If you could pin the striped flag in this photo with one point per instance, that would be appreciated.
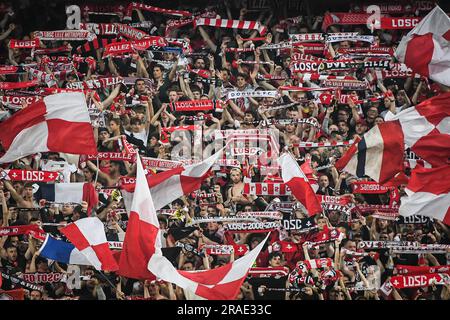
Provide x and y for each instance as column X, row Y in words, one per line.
column 379, row 154
column 428, row 194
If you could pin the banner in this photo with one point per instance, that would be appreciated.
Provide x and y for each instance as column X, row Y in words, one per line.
column 118, row 156
column 305, row 224
column 19, row 100
column 30, row 229
column 370, row 187
column 259, row 272
column 422, row 280
column 195, row 105
column 346, row 84
column 23, row 44
column 43, row 277
column 261, row 215
column 19, row 282
column 65, row 35
column 18, row 85
column 28, row 175
column 253, row 227
column 103, row 29
column 266, row 189
column 95, row 83
column 252, row 94
column 160, row 164
column 414, row 270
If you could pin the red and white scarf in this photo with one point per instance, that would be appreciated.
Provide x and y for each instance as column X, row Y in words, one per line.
column 30, row 229
column 266, row 189
column 414, row 270
column 18, row 85
column 121, row 48
column 370, row 187
column 261, row 214
column 160, row 164
column 42, row 51
column 145, row 7
column 28, row 175
column 175, row 24
column 130, row 32
column 322, row 144
column 23, row 44
column 103, row 29
column 346, row 84
column 9, row 69
column 231, row 24
column 19, row 100
column 68, row 35
column 48, row 79
column 420, row 280
column 194, row 105
column 216, row 249
column 95, row 83
column 252, row 94
column 342, row 18
column 118, row 156
column 253, row 227
column 260, row 272
column 39, row 277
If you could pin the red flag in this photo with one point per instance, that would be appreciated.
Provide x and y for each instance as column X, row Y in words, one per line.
column 297, row 181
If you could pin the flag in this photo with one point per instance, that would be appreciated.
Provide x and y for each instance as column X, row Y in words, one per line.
column 309, row 173
column 142, row 231
column 75, row 192
column 16, row 294
column 426, row 48
column 297, row 181
column 88, row 236
column 426, row 129
column 172, row 184
column 428, row 194
column 58, row 123
column 379, row 154
column 222, row 283
column 62, row 251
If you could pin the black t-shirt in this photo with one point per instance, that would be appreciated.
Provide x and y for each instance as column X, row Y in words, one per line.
column 269, row 283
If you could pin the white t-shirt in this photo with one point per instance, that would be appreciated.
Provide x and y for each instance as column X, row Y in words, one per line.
column 59, row 166
column 142, row 135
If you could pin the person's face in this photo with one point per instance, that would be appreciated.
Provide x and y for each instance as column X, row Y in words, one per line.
column 383, row 223
column 11, row 253
column 103, row 135
column 203, row 210
column 173, row 96
column 157, row 73
column 360, row 128
column 337, row 295
column 343, row 127
column 342, row 115
column 384, row 237
column 355, row 225
column 199, row 64
column 333, row 127
column 87, row 174
column 372, row 113
column 235, row 176
column 379, row 120
column 35, row 295
column 188, row 266
column 344, row 44
column 153, row 141
column 290, row 128
column 67, row 209
column 140, row 87
column 350, row 245
column 323, row 182
column 225, row 75
column 211, row 211
column 197, row 95
column 275, row 261
column 240, row 81
column 76, row 216
column 321, row 223
column 28, row 192
column 14, row 241
column 136, row 126
column 248, row 117
column 113, row 126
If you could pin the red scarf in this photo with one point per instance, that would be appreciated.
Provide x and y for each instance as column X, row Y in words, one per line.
column 343, row 18
column 232, row 24
column 420, row 280
column 96, row 83
column 194, row 105
column 368, row 187
column 65, row 35
column 415, row 270
column 18, row 100
column 28, row 175
column 120, row 48
column 30, row 229
column 145, row 7
column 117, row 156
column 18, row 85
column 23, row 44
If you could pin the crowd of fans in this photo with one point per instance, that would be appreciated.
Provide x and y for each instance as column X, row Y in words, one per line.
column 139, row 109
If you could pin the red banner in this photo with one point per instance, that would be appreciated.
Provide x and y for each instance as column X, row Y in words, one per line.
column 399, row 23
column 416, row 270
column 117, row 156
column 194, row 105
column 8, row 69
column 32, row 229
column 23, row 44
column 28, row 175
column 368, row 187
column 120, row 48
column 18, row 85
column 420, row 280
